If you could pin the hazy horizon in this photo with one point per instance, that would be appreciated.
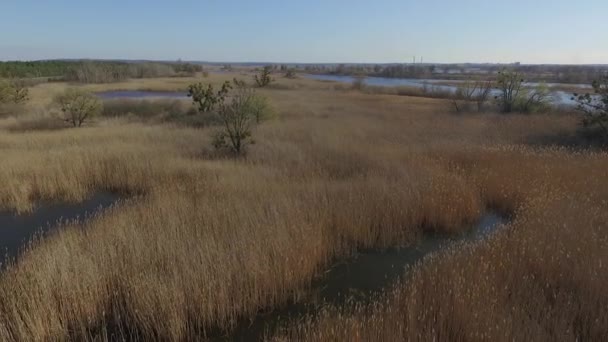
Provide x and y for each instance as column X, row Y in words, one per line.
column 316, row 32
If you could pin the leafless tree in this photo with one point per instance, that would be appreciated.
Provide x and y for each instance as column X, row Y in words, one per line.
column 477, row 91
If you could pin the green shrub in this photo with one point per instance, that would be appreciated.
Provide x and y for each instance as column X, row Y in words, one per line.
column 206, row 97
column 515, row 97
column 13, row 92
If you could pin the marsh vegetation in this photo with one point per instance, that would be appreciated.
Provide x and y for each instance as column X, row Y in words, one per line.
column 207, row 242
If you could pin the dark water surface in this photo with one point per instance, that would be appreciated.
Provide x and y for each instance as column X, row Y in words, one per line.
column 355, row 280
column 17, row 230
column 358, row 279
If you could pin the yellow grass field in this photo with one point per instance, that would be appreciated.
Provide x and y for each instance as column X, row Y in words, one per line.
column 201, row 242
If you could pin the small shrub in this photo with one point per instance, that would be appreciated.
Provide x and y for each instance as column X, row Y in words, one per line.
column 263, row 78
column 533, row 100
column 515, row 97
column 206, row 97
column 78, row 106
column 13, row 92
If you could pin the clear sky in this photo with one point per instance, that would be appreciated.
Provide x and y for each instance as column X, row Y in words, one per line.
column 530, row 31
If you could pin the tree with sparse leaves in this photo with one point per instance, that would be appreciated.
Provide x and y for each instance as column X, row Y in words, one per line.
column 514, row 96
column 510, row 83
column 78, row 106
column 263, row 78
column 238, row 117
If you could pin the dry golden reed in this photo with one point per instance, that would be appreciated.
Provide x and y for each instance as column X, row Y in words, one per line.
column 202, row 242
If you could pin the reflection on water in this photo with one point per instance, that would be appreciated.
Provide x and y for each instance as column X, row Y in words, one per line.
column 557, row 97
column 17, row 230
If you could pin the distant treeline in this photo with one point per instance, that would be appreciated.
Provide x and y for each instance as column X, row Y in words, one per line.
column 95, row 71
column 533, row 73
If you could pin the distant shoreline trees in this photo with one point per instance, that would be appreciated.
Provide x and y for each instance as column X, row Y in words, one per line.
column 86, row 71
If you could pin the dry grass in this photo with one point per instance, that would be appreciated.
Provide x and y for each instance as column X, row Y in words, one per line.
column 211, row 241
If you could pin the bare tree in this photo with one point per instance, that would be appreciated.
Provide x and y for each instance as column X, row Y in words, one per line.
column 78, row 106
column 483, row 94
column 470, row 91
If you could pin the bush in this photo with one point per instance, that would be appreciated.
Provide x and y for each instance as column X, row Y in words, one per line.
column 78, row 106
column 13, row 92
column 533, row 100
column 206, row 97
column 263, row 78
column 514, row 96
column 238, row 117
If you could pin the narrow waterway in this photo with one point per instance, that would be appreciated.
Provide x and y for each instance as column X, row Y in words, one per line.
column 358, row 279
column 16, row 231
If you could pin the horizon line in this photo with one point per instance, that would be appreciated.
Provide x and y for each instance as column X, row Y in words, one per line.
column 278, row 63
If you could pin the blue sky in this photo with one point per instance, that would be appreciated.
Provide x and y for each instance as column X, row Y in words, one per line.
column 532, row 31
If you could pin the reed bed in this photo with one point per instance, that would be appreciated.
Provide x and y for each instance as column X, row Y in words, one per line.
column 202, row 242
